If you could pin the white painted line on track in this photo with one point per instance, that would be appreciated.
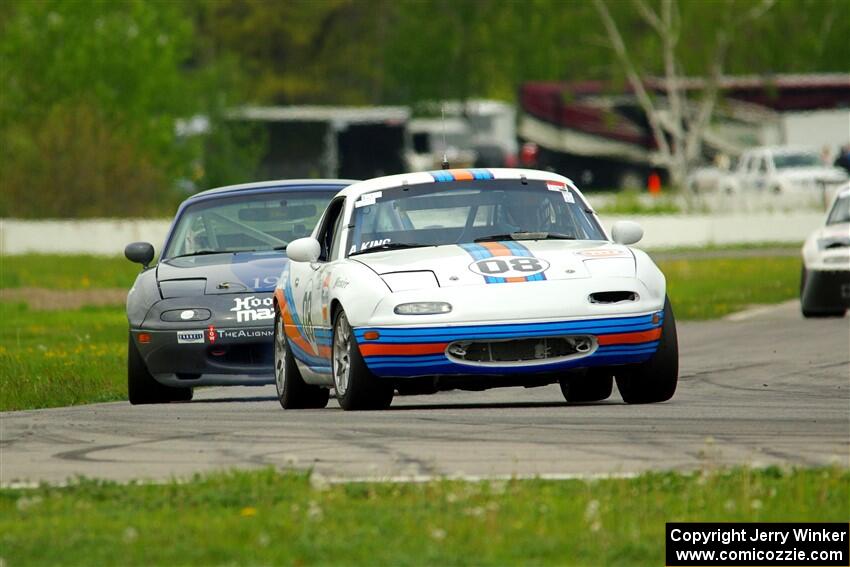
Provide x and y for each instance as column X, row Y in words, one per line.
column 754, row 312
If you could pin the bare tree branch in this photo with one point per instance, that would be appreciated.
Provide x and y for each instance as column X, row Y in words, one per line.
column 634, row 79
column 710, row 91
column 648, row 14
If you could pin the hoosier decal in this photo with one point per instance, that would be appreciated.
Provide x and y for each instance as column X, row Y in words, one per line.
column 253, row 308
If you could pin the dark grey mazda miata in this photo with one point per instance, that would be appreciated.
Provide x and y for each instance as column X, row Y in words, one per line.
column 203, row 314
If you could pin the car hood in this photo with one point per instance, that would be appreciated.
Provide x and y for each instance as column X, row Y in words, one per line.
column 836, row 234
column 242, row 272
column 470, row 264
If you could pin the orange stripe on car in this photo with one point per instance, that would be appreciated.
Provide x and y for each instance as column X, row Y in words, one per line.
column 393, row 349
column 630, row 338
column 461, row 175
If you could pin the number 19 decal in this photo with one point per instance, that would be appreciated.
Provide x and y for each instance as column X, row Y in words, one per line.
column 509, row 266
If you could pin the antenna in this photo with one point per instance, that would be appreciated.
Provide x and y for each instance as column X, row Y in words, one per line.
column 445, row 164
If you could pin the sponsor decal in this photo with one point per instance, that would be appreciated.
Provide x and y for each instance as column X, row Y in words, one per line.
column 561, row 188
column 341, row 283
column 369, row 244
column 602, row 253
column 190, row 337
column 367, row 199
column 245, row 333
column 509, row 266
column 211, row 333
column 253, row 308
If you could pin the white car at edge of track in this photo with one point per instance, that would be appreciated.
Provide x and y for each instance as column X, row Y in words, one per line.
column 470, row 279
column 825, row 278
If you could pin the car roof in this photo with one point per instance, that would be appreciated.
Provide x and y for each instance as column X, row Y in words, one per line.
column 440, row 175
column 259, row 186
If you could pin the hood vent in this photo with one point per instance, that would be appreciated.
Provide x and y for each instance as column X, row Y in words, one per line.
column 610, row 297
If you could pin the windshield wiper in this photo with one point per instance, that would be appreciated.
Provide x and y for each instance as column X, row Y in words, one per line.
column 390, row 246
column 203, row 253
column 524, row 235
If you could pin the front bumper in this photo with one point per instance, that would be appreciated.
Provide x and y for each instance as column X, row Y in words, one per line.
column 196, row 356
column 419, row 351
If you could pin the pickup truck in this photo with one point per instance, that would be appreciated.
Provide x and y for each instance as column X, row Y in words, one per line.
column 782, row 169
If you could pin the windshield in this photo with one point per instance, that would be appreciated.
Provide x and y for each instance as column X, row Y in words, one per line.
column 434, row 214
column 840, row 211
column 265, row 221
column 783, row 161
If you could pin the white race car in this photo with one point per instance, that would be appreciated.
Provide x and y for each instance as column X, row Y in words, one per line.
column 825, row 281
column 470, row 279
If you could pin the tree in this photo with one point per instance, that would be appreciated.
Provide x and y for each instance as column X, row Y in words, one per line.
column 677, row 124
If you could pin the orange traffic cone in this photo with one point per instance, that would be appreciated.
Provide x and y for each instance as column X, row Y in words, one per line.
column 653, row 184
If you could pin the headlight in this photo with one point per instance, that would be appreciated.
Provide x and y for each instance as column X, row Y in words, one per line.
column 423, row 308
column 180, row 315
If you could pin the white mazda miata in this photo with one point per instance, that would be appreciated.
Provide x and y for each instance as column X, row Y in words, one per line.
column 469, row 279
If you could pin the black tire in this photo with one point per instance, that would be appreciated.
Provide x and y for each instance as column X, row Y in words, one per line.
column 806, row 310
column 655, row 380
column 594, row 385
column 362, row 390
column 142, row 388
column 292, row 391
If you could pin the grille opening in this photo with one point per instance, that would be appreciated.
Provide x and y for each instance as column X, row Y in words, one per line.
column 243, row 354
column 537, row 349
column 187, row 376
column 837, row 244
column 613, row 296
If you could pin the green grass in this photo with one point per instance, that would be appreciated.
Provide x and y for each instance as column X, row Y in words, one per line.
column 270, row 518
column 67, row 272
column 713, row 287
column 60, row 358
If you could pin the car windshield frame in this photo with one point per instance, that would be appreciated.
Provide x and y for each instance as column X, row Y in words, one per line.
column 266, row 241
column 841, row 206
column 474, row 210
column 796, row 159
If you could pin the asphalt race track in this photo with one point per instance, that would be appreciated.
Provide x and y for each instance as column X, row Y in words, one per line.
column 767, row 387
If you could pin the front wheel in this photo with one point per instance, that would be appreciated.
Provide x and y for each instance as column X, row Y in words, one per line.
column 806, row 308
column 655, row 380
column 142, row 388
column 292, row 391
column 356, row 387
column 594, row 385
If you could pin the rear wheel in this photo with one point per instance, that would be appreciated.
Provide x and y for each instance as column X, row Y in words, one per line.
column 356, row 387
column 654, row 380
column 142, row 388
column 292, row 391
column 594, row 385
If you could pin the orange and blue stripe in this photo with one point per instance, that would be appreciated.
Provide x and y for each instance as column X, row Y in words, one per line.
column 461, row 175
column 485, row 250
column 421, row 351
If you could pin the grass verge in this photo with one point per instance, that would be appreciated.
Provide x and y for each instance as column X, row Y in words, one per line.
column 67, row 357
column 270, row 518
column 67, row 272
column 708, row 288
column 61, row 358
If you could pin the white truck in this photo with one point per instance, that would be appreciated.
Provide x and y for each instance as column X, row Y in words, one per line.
column 783, row 169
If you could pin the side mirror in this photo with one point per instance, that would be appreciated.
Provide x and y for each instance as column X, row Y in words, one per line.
column 304, row 250
column 139, row 252
column 626, row 232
